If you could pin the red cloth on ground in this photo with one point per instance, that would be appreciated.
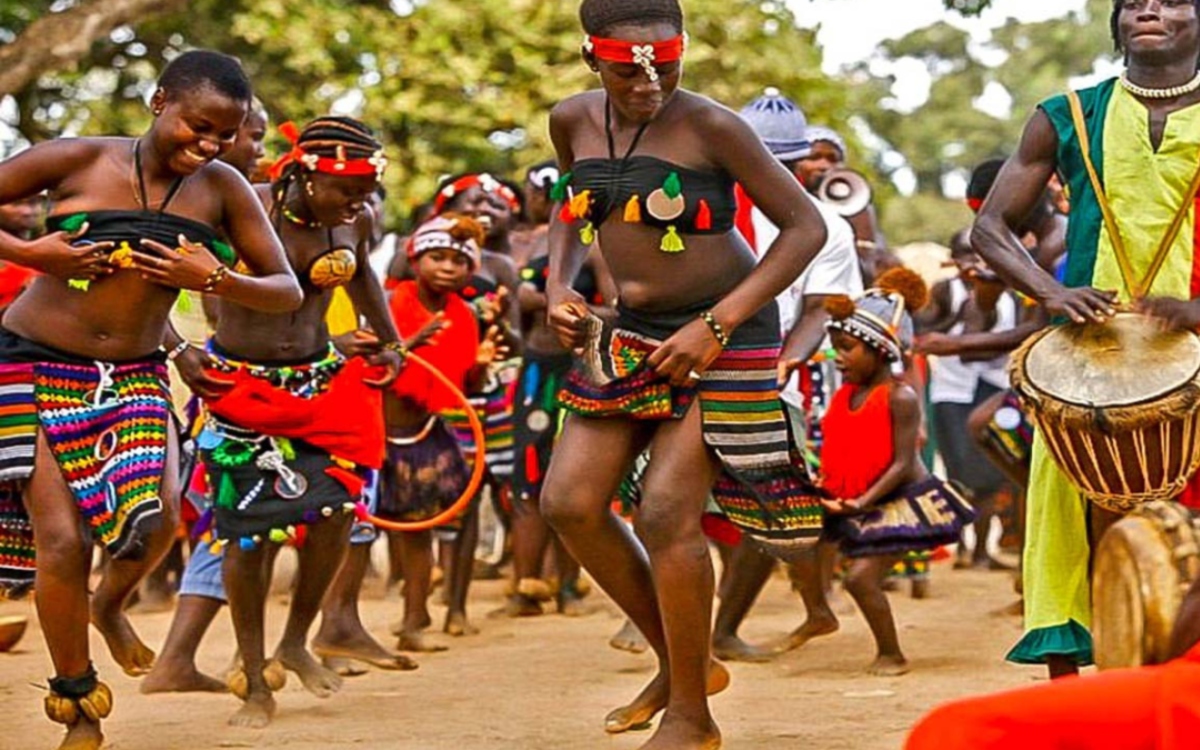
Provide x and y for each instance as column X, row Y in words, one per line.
column 1149, row 708
column 346, row 420
column 858, row 442
column 452, row 350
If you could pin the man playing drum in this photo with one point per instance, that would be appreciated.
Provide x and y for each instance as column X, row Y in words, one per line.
column 1140, row 142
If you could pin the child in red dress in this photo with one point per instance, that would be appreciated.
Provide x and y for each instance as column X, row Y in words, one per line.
column 883, row 501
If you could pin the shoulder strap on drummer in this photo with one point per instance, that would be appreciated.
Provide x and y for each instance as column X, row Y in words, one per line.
column 1136, row 289
column 1110, row 220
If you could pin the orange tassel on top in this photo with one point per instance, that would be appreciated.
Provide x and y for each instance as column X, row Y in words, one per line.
column 703, row 216
column 633, row 210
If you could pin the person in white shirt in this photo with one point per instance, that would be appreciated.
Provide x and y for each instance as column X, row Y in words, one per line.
column 834, row 270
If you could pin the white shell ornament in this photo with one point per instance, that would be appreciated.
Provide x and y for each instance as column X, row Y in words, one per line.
column 663, row 207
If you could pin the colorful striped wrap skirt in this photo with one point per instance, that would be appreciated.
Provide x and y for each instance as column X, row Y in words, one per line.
column 763, row 487
column 106, row 424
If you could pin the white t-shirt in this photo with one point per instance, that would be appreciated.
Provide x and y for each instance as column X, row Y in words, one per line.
column 953, row 381
column 834, row 270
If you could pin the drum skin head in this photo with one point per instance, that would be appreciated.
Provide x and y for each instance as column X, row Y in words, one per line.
column 1127, row 361
column 1137, row 587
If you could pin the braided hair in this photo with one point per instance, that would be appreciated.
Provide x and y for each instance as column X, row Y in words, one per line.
column 1115, row 19
column 330, row 137
column 202, row 67
column 598, row 16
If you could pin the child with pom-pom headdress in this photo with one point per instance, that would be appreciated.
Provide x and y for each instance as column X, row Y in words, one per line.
column 882, row 317
column 882, row 502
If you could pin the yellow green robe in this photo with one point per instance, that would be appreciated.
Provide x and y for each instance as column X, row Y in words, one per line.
column 1145, row 188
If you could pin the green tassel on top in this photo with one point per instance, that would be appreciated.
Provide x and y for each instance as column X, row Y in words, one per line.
column 559, row 191
column 184, row 303
column 673, row 186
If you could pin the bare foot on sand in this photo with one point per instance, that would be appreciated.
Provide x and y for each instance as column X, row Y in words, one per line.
column 400, row 627
column 653, row 699
column 457, row 625
column 255, row 713
column 673, row 734
column 630, row 639
column 126, row 648
column 343, row 667
column 732, row 648
column 367, row 651
column 169, row 677
column 889, row 666
column 415, row 641
column 517, row 605
column 806, row 632
column 316, row 679
column 84, row 735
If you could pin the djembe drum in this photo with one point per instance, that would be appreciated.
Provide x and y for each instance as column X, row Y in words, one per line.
column 1143, row 567
column 1117, row 405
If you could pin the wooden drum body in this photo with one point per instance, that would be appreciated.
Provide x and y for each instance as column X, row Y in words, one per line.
column 1118, row 405
column 1143, row 567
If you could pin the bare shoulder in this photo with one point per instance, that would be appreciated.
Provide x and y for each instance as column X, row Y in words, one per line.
column 500, row 265
column 709, row 116
column 903, row 398
column 574, row 109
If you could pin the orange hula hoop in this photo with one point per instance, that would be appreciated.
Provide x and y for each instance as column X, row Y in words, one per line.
column 476, row 472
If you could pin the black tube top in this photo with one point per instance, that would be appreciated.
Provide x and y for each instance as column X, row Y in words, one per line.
column 706, row 198
column 131, row 226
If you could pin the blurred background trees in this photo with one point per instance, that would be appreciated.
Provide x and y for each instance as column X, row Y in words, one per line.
column 457, row 85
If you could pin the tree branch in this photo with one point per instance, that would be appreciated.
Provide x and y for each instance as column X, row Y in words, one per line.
column 58, row 40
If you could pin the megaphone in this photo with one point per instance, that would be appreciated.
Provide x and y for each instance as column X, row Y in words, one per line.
column 846, row 191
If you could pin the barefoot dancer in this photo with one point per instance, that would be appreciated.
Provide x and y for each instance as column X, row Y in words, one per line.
column 201, row 592
column 689, row 370
column 81, row 363
column 291, row 423
column 493, row 292
column 835, row 270
column 425, row 470
column 885, row 502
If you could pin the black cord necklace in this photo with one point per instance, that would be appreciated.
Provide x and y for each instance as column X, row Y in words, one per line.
column 141, row 194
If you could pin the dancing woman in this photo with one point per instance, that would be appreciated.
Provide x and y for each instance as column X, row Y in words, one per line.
column 86, row 442
column 689, row 370
column 292, row 424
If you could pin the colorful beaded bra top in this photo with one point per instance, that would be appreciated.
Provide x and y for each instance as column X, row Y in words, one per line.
column 647, row 190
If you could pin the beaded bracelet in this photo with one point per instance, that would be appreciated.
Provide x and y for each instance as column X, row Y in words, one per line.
column 718, row 331
column 216, row 276
column 180, row 348
column 398, row 347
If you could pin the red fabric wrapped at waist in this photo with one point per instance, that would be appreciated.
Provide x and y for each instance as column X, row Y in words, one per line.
column 346, row 420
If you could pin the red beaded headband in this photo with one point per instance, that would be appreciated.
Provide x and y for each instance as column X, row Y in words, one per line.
column 647, row 55
column 485, row 182
column 339, row 165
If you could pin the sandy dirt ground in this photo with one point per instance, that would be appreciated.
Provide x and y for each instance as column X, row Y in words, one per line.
column 547, row 682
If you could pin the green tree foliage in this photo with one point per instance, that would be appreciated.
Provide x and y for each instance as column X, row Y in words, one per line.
column 450, row 85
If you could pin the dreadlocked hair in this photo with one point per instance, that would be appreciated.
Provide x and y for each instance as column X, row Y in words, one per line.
column 465, row 228
column 327, row 136
column 202, row 67
column 598, row 16
column 908, row 284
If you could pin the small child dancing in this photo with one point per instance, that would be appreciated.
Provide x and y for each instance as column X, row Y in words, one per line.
column 425, row 471
column 883, row 502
